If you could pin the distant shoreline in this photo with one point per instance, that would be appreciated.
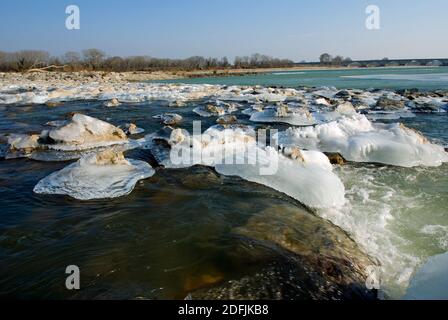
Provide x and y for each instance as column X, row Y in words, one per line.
column 142, row 76
column 246, row 72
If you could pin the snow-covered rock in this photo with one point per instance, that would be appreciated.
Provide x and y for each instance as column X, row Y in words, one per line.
column 169, row 119
column 103, row 175
column 284, row 114
column 357, row 139
column 84, row 132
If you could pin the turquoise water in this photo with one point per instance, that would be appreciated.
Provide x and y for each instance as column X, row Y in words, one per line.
column 423, row 78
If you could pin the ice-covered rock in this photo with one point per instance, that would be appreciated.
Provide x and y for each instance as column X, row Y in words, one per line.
column 131, row 128
column 218, row 109
column 23, row 142
column 103, row 175
column 305, row 176
column 253, row 109
column 345, row 108
column 233, row 150
column 169, row 119
column 84, row 132
column 112, row 103
column 357, row 139
column 226, row 119
column 283, row 114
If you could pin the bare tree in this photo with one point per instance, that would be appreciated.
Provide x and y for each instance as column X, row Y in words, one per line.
column 337, row 61
column 29, row 59
column 93, row 58
column 325, row 58
column 71, row 57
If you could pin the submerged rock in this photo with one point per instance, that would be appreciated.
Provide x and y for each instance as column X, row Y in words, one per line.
column 305, row 257
column 106, row 174
column 385, row 103
column 177, row 104
column 53, row 104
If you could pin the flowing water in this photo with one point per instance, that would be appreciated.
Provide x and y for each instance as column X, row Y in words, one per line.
column 176, row 231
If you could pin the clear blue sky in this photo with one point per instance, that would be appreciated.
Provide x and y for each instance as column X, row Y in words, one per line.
column 296, row 29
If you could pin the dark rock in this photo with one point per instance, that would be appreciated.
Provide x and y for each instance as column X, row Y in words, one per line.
column 53, row 104
column 424, row 107
column 387, row 104
column 406, row 92
column 226, row 119
column 308, row 258
column 343, row 94
column 335, row 158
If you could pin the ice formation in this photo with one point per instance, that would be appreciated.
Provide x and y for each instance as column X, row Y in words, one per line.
column 284, row 114
column 218, row 109
column 431, row 281
column 233, row 150
column 307, row 178
column 84, row 132
column 103, row 175
column 357, row 139
column 169, row 119
column 131, row 128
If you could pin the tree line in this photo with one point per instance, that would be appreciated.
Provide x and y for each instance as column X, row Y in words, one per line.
column 98, row 60
column 327, row 59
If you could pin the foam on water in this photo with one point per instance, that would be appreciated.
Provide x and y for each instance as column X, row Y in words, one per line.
column 397, row 215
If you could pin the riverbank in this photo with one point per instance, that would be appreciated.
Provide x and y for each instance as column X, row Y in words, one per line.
column 83, row 77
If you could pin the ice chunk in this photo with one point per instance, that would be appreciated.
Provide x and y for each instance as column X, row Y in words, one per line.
column 283, row 114
column 84, row 132
column 131, row 128
column 219, row 109
column 169, row 119
column 23, row 142
column 308, row 178
column 357, row 139
column 233, row 150
column 431, row 281
column 103, row 175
